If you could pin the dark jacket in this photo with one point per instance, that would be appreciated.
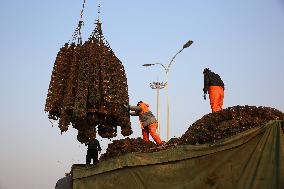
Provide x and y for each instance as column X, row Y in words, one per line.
column 212, row 79
column 94, row 145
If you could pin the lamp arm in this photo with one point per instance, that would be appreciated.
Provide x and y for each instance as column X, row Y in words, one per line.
column 162, row 66
column 167, row 70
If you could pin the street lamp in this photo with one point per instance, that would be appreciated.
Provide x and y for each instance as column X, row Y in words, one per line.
column 158, row 86
column 167, row 69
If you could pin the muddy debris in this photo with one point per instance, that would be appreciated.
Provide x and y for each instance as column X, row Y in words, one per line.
column 228, row 122
column 209, row 129
column 127, row 145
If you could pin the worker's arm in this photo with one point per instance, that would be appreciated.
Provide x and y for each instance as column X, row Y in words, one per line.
column 99, row 146
column 135, row 109
column 206, row 83
column 134, row 114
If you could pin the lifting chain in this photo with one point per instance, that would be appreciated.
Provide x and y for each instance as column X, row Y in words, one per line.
column 77, row 32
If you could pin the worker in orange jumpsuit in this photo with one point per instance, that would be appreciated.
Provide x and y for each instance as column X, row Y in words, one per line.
column 214, row 85
column 148, row 122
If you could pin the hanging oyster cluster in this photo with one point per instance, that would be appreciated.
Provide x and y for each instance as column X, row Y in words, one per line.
column 88, row 89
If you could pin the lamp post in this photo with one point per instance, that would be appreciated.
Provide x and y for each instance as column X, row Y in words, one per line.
column 167, row 69
column 158, row 86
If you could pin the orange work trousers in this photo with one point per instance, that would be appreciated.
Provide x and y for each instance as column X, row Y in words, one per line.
column 151, row 129
column 216, row 95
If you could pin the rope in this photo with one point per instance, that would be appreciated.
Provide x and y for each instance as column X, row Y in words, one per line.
column 77, row 32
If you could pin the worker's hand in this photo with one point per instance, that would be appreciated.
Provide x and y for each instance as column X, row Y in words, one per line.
column 204, row 96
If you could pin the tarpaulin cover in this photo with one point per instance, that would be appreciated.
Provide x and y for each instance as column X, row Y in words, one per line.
column 253, row 159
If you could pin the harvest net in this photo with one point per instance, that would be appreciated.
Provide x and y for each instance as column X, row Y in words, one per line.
column 88, row 89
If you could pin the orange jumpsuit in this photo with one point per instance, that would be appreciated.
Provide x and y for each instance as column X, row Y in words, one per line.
column 148, row 122
column 151, row 129
column 216, row 95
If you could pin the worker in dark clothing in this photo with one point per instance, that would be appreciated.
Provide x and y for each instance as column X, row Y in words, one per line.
column 214, row 85
column 92, row 152
column 148, row 122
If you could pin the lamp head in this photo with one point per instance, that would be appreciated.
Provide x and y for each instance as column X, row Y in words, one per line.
column 148, row 65
column 187, row 44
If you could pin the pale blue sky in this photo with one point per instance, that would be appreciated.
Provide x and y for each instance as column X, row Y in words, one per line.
column 241, row 40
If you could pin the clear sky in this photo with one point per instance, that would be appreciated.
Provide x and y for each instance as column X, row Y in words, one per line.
column 242, row 41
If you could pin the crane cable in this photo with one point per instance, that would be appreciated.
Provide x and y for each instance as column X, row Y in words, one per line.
column 77, row 32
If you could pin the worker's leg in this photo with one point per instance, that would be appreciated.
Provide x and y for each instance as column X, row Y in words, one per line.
column 219, row 92
column 153, row 133
column 96, row 157
column 221, row 98
column 145, row 133
column 93, row 155
column 88, row 157
column 214, row 95
column 213, row 101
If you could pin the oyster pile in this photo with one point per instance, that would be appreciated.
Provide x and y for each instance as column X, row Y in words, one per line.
column 88, row 89
column 209, row 129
